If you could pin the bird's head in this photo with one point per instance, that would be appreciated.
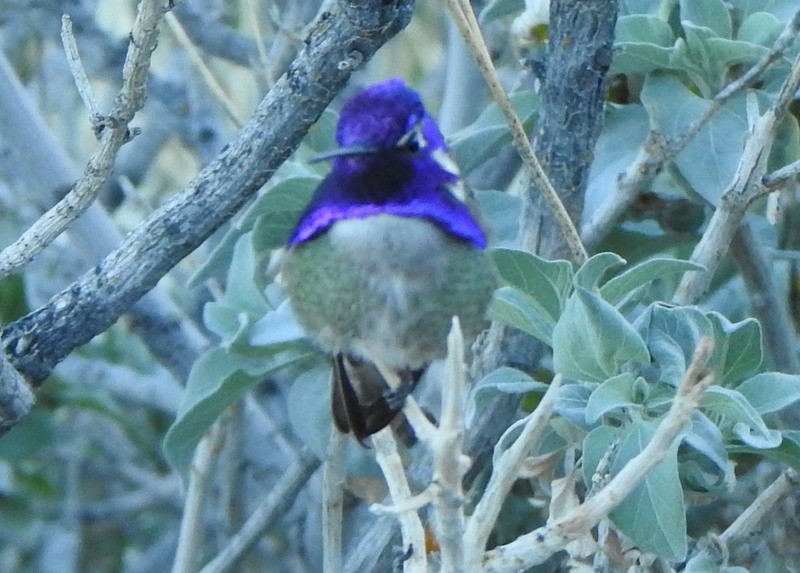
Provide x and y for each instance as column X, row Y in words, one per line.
column 385, row 117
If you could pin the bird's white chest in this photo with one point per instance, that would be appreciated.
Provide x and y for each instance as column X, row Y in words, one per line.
column 401, row 261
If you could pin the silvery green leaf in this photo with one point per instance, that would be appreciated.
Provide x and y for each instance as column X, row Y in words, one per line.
column 771, row 391
column 592, row 340
column 615, row 393
column 618, row 287
column 653, row 515
column 591, row 273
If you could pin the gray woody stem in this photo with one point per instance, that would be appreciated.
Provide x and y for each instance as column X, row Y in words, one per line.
column 745, row 187
column 338, row 45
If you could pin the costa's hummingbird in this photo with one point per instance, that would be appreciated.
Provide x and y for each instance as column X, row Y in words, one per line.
column 386, row 253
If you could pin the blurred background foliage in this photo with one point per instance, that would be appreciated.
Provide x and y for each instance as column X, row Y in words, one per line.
column 94, row 478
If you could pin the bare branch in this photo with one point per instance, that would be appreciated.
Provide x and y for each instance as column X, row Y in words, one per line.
column 277, row 502
column 339, row 45
column 767, row 305
column 78, row 72
column 657, row 151
column 749, row 519
column 506, row 471
column 744, row 188
column 332, row 501
column 781, row 177
column 449, row 465
column 113, row 132
column 205, row 456
column 410, row 524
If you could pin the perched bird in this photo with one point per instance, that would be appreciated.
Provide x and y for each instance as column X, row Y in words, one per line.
column 386, row 253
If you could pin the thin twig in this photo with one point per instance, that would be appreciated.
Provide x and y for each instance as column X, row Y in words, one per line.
column 781, row 177
column 749, row 519
column 657, row 150
column 77, row 69
column 767, row 305
column 745, row 187
column 113, row 132
column 448, row 466
column 192, row 519
column 275, row 504
column 332, row 501
column 505, row 473
column 263, row 57
column 537, row 546
column 464, row 18
column 410, row 524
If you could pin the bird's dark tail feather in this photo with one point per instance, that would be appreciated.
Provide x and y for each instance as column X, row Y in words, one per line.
column 362, row 401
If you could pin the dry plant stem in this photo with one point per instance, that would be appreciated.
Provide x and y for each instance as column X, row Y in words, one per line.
column 448, row 469
column 745, row 187
column 192, row 520
column 274, row 505
column 410, row 525
column 76, row 67
column 464, row 17
column 113, row 133
column 780, row 177
column 332, row 500
column 656, row 150
column 536, row 547
column 263, row 57
column 173, row 340
column 208, row 77
column 749, row 520
column 761, row 506
column 505, row 473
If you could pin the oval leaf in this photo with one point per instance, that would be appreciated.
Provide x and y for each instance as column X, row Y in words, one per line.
column 592, row 340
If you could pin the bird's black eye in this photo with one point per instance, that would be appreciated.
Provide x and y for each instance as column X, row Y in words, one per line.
column 412, row 145
column 412, row 141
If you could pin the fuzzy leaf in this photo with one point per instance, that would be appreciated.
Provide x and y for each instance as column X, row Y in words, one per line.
column 771, row 391
column 618, row 392
column 592, row 340
column 514, row 308
column 618, row 287
column 653, row 515
column 548, row 282
column 672, row 335
column 217, row 379
column 737, row 348
column 710, row 159
column 591, row 273
column 736, row 415
column 477, row 143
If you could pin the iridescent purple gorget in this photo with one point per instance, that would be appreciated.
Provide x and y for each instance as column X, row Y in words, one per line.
column 381, row 177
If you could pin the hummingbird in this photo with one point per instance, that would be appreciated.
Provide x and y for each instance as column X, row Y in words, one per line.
column 388, row 250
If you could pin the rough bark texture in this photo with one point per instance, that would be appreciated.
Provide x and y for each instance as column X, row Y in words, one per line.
column 571, row 116
column 568, row 124
column 341, row 42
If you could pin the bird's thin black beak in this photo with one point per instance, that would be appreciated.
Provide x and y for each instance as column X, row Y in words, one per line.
column 343, row 152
